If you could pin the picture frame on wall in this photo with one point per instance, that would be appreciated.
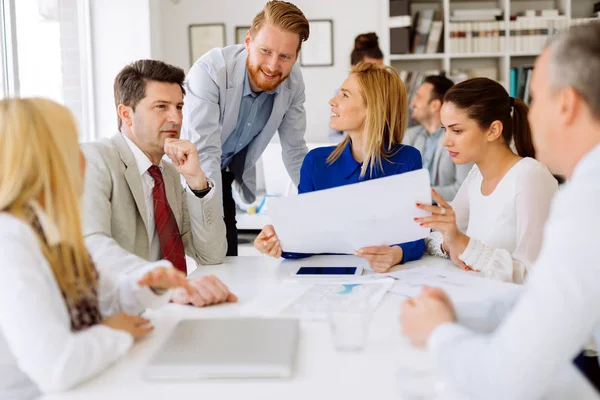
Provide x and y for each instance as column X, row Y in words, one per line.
column 204, row 37
column 240, row 34
column 317, row 51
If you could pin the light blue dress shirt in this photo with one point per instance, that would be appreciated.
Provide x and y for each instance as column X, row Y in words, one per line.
column 255, row 110
column 431, row 145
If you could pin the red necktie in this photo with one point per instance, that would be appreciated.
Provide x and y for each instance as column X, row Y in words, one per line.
column 166, row 226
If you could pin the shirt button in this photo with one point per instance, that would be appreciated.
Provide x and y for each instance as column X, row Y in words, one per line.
column 249, row 124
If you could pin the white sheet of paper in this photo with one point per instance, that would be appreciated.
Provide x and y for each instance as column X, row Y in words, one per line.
column 310, row 300
column 377, row 212
column 461, row 287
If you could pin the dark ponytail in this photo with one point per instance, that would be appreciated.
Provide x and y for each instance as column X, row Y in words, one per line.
column 521, row 130
column 486, row 101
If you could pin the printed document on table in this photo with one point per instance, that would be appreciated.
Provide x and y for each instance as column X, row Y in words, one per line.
column 479, row 303
column 311, row 299
column 460, row 286
column 379, row 212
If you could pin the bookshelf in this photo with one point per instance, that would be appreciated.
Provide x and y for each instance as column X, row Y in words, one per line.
column 493, row 59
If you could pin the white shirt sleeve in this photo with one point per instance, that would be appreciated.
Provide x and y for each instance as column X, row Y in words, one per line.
column 534, row 192
column 460, row 205
column 35, row 323
column 550, row 324
column 121, row 292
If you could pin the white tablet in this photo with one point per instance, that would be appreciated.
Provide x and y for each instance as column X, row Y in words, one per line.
column 323, row 272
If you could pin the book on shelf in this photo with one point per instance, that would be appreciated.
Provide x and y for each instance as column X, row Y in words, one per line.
column 477, row 11
column 527, row 35
column 420, row 34
column 553, row 13
column 400, row 21
column 530, row 35
column 423, row 20
column 520, row 79
column 462, row 74
column 526, row 93
column 435, row 35
column 469, row 18
column 477, row 37
column 481, row 14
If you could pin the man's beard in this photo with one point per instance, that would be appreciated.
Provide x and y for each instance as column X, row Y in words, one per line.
column 256, row 77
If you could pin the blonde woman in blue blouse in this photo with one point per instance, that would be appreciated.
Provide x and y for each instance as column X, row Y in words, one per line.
column 372, row 108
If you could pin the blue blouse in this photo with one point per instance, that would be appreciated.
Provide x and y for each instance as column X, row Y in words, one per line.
column 317, row 174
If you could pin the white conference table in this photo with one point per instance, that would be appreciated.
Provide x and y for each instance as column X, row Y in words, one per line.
column 320, row 371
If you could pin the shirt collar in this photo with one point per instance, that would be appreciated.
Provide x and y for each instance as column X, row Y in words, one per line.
column 248, row 90
column 589, row 161
column 435, row 134
column 438, row 133
column 141, row 160
column 50, row 229
column 348, row 163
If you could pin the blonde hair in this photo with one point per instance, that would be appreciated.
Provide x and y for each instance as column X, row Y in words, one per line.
column 384, row 95
column 282, row 15
column 39, row 161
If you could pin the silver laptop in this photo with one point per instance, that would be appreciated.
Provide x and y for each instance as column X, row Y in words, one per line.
column 227, row 348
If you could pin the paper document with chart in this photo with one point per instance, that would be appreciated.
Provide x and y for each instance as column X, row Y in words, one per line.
column 344, row 219
column 311, row 299
column 459, row 285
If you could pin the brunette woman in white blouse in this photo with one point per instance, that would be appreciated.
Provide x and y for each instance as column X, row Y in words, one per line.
column 495, row 223
column 60, row 322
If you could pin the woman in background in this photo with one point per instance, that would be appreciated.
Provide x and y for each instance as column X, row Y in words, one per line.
column 366, row 49
column 60, row 321
column 496, row 220
column 372, row 108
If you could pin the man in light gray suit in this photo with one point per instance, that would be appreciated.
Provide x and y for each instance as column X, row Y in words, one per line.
column 135, row 207
column 238, row 96
column 445, row 176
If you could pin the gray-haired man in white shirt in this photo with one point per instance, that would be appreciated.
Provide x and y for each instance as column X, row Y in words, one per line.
column 559, row 308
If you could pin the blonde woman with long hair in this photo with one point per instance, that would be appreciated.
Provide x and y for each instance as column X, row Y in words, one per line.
column 372, row 108
column 60, row 321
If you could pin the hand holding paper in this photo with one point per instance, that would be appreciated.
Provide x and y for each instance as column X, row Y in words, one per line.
column 267, row 242
column 378, row 212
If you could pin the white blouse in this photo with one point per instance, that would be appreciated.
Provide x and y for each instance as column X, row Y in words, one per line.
column 505, row 227
column 38, row 350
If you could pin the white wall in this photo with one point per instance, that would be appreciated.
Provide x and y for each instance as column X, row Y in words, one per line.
column 120, row 35
column 350, row 17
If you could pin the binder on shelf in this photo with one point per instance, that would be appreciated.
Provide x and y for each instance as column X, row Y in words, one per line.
column 399, row 7
column 513, row 82
column 399, row 40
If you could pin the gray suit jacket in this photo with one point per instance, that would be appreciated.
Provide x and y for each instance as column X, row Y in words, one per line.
column 447, row 176
column 115, row 211
column 214, row 87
